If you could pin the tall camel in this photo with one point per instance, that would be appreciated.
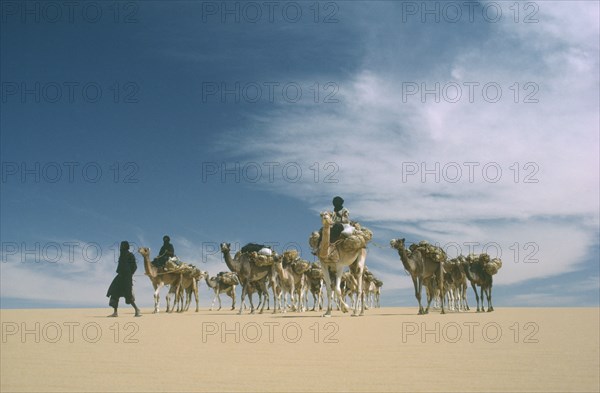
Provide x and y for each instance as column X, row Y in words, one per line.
column 248, row 273
column 420, row 268
column 333, row 260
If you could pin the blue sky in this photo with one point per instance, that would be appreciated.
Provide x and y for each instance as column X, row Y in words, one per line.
column 173, row 146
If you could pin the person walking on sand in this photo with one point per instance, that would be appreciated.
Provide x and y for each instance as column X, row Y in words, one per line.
column 122, row 285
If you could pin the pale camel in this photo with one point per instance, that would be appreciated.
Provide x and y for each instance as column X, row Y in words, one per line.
column 296, row 267
column 187, row 284
column 333, row 260
column 369, row 288
column 157, row 279
column 282, row 276
column 378, row 285
column 420, row 268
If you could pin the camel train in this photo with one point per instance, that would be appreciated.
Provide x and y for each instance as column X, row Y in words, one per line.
column 341, row 272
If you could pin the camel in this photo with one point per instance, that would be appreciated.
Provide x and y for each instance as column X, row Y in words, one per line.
column 157, row 279
column 218, row 286
column 296, row 267
column 459, row 280
column 315, row 281
column 420, row 268
column 378, row 285
column 477, row 275
column 282, row 276
column 369, row 288
column 349, row 287
column 188, row 282
column 248, row 273
column 333, row 260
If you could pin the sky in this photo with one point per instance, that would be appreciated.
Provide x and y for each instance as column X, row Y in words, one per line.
column 472, row 125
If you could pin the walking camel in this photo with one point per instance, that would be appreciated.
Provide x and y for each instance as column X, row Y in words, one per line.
column 334, row 259
column 157, row 279
column 248, row 273
column 420, row 268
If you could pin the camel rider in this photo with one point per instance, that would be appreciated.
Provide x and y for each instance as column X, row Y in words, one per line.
column 340, row 216
column 166, row 251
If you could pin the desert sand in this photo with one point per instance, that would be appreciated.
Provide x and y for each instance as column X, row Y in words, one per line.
column 389, row 349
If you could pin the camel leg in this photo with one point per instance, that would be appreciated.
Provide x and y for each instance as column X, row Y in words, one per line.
column 327, row 280
column 338, row 291
column 252, row 309
column 242, row 296
column 361, row 293
column 482, row 298
column 233, row 297
column 213, row 301
column 265, row 291
column 156, row 297
column 417, row 285
column 430, row 297
column 489, row 291
column 476, row 295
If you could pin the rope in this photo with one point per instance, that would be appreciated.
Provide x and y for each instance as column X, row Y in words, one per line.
column 380, row 246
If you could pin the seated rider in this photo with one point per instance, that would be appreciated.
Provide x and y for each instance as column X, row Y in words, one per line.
column 341, row 216
column 166, row 251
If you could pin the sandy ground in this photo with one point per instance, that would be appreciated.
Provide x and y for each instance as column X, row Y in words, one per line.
column 389, row 349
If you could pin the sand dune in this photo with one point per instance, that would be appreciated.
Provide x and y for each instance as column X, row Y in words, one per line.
column 389, row 349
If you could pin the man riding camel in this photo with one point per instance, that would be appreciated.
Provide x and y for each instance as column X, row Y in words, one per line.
column 166, row 251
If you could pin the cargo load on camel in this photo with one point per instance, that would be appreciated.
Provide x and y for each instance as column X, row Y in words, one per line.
column 429, row 251
column 258, row 254
column 174, row 265
column 491, row 266
column 228, row 278
column 299, row 265
column 350, row 240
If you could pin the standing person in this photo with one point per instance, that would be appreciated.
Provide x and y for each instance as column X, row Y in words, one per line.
column 122, row 285
column 166, row 251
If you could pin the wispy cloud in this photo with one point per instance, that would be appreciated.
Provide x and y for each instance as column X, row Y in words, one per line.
column 546, row 195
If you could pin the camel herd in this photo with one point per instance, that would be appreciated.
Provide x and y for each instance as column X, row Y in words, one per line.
column 289, row 279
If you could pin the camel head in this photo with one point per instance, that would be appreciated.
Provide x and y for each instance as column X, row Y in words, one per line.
column 326, row 219
column 144, row 251
column 398, row 244
column 277, row 259
column 199, row 274
column 225, row 247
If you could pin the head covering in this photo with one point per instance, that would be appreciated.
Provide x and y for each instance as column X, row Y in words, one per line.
column 124, row 246
column 338, row 203
column 166, row 238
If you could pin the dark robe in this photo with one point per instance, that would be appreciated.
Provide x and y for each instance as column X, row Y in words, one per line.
column 166, row 251
column 122, row 285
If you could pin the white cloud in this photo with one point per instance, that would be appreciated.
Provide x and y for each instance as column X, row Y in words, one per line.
column 375, row 132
